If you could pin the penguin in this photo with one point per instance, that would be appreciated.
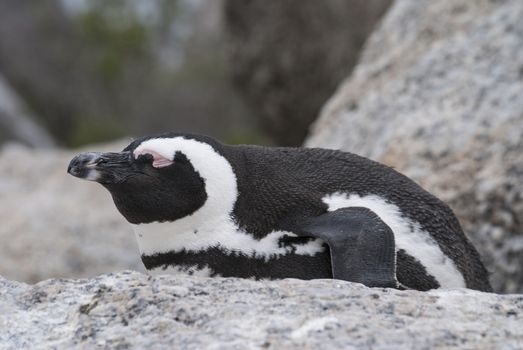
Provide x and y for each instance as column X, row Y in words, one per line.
column 199, row 206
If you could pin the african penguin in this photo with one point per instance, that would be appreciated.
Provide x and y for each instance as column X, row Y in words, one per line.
column 203, row 207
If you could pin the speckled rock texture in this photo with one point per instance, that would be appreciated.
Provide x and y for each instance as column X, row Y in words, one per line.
column 438, row 95
column 53, row 225
column 132, row 310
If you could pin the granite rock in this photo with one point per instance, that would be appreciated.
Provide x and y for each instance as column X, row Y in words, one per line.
column 437, row 95
column 132, row 310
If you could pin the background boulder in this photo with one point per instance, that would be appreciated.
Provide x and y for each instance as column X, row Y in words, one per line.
column 437, row 95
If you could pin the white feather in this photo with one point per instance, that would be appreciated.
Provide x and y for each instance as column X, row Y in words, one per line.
column 92, row 175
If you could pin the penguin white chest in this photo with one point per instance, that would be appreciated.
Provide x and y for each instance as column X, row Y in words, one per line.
column 222, row 233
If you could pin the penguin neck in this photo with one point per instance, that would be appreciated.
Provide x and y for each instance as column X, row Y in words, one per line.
column 202, row 228
column 193, row 233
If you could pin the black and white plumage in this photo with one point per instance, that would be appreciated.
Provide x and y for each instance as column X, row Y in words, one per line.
column 200, row 206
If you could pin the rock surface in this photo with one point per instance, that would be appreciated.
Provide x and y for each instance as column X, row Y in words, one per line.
column 54, row 225
column 437, row 95
column 131, row 310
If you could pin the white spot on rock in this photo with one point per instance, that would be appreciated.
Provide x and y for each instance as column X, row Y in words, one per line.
column 314, row 325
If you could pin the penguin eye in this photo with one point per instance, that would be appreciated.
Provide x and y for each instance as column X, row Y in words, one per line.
column 145, row 158
column 179, row 157
column 158, row 161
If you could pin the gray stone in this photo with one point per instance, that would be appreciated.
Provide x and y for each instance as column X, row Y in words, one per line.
column 437, row 95
column 131, row 310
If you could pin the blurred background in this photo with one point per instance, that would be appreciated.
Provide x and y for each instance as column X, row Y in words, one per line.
column 433, row 88
column 243, row 71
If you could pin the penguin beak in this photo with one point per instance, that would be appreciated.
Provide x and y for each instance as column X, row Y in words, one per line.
column 105, row 168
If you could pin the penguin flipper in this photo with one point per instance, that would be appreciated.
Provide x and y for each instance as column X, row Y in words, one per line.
column 361, row 245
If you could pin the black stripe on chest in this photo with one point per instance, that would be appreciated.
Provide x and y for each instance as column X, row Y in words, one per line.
column 410, row 272
column 243, row 266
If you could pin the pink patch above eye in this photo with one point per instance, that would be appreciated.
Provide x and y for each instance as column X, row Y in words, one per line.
column 159, row 161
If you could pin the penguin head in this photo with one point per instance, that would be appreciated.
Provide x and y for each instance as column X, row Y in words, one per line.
column 163, row 178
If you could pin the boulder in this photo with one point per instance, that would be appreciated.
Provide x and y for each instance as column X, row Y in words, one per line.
column 437, row 95
column 132, row 310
